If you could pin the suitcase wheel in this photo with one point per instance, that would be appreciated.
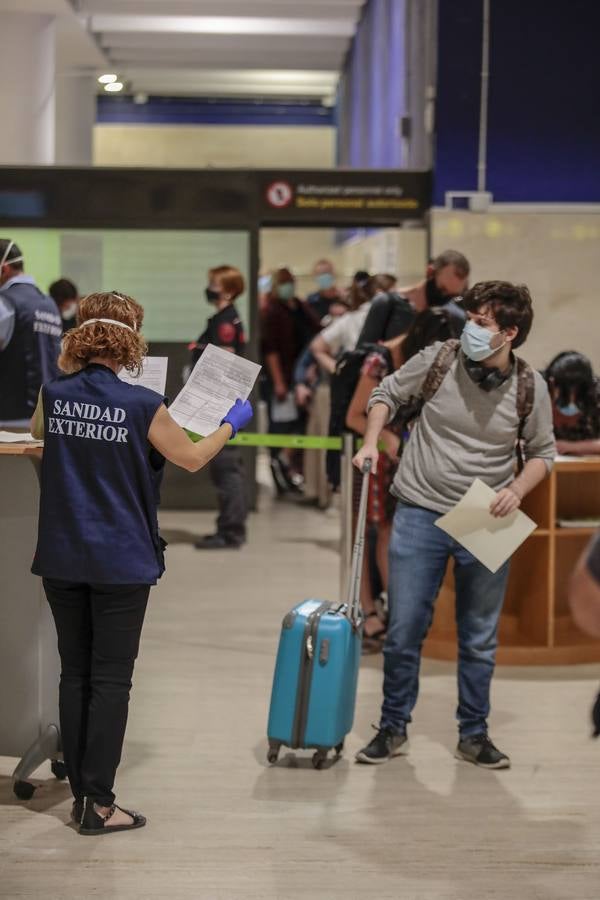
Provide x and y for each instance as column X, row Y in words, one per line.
column 59, row 770
column 319, row 759
column 273, row 753
column 339, row 749
column 24, row 790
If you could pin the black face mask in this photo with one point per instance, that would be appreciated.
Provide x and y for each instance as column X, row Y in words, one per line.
column 485, row 378
column 211, row 295
column 434, row 294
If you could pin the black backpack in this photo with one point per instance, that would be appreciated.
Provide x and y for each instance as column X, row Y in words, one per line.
column 390, row 315
column 343, row 385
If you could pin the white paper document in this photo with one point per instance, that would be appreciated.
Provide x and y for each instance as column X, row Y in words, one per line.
column 492, row 541
column 284, row 410
column 216, row 382
column 153, row 374
column 12, row 437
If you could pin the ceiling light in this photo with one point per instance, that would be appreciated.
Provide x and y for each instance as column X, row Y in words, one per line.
column 114, row 87
column 109, row 78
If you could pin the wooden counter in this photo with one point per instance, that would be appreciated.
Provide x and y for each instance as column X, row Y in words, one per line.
column 536, row 627
column 21, row 450
column 29, row 667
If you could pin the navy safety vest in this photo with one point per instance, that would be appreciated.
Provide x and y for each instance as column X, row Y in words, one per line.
column 30, row 358
column 100, row 481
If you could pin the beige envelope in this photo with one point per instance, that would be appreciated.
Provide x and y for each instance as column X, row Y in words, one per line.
column 492, row 541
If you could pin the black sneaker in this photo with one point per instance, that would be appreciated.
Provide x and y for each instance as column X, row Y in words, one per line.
column 217, row 542
column 385, row 745
column 479, row 750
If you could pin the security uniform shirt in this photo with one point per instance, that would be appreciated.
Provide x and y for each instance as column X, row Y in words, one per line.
column 224, row 329
column 100, row 479
column 30, row 335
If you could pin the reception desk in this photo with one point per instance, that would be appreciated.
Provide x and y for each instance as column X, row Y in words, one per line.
column 536, row 627
column 29, row 665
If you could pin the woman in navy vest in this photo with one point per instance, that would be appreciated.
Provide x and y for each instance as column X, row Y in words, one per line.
column 99, row 549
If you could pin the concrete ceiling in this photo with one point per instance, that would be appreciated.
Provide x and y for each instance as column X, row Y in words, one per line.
column 225, row 48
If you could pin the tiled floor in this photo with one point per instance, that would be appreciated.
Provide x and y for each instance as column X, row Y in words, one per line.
column 224, row 826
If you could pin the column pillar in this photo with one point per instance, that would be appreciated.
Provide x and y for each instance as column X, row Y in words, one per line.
column 27, row 71
column 75, row 117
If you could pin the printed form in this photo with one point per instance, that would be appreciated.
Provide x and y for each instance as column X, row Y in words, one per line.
column 218, row 379
column 152, row 376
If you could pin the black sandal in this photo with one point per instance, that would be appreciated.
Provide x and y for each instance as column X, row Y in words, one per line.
column 77, row 812
column 93, row 823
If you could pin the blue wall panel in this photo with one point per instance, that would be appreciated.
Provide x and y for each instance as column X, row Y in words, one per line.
column 543, row 124
column 458, row 96
column 373, row 87
column 544, row 127
column 205, row 111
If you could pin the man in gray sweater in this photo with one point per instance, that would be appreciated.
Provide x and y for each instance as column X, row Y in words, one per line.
column 468, row 429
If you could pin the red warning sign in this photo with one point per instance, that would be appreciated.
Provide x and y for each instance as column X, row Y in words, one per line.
column 280, row 194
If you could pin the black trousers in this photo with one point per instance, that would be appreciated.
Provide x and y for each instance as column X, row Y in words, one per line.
column 227, row 475
column 99, row 628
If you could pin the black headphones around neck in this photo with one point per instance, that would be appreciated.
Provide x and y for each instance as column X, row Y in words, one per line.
column 487, row 379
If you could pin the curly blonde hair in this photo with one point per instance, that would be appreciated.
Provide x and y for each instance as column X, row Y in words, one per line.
column 83, row 343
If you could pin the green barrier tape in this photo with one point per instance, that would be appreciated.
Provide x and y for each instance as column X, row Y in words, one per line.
column 291, row 441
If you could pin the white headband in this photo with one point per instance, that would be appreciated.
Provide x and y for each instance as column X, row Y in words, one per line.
column 17, row 259
column 109, row 322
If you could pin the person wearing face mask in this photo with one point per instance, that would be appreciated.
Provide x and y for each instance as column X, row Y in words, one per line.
column 30, row 333
column 468, row 427
column 575, row 394
column 224, row 329
column 99, row 550
column 327, row 296
column 66, row 296
column 392, row 313
column 287, row 326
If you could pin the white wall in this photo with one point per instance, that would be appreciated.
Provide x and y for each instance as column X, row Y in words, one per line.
column 554, row 253
column 220, row 146
column 400, row 251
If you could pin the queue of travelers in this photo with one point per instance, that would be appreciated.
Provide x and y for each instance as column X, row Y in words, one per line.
column 424, row 375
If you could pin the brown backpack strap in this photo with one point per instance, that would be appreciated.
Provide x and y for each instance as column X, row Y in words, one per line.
column 525, row 401
column 439, row 369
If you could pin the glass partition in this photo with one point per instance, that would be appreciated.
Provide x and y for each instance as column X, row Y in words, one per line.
column 165, row 270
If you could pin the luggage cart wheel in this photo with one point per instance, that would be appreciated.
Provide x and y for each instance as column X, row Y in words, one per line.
column 59, row 770
column 318, row 759
column 339, row 749
column 273, row 753
column 24, row 790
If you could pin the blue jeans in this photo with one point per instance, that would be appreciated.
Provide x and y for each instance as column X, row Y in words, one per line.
column 419, row 553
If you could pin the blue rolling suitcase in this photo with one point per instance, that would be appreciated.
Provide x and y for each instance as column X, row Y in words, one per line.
column 316, row 671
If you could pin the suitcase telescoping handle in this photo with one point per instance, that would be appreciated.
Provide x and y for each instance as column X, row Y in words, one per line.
column 353, row 604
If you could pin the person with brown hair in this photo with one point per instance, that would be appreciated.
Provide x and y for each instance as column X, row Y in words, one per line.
column 470, row 426
column 99, row 549
column 446, row 278
column 428, row 327
column 327, row 296
column 287, row 326
column 225, row 330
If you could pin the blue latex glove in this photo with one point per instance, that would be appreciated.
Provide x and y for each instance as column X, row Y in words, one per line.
column 238, row 416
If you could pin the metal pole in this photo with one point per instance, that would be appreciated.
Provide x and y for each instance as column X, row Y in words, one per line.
column 483, row 108
column 347, row 476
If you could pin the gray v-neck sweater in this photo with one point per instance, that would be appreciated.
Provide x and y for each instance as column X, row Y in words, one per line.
column 463, row 432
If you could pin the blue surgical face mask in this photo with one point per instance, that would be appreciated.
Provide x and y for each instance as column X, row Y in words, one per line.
column 476, row 342
column 285, row 291
column 325, row 281
column 265, row 283
column 571, row 409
